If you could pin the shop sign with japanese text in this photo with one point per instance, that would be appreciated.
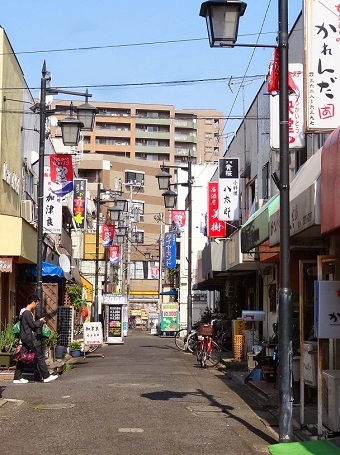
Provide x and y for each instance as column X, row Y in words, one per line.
column 295, row 114
column 169, row 260
column 322, row 64
column 327, row 309
column 52, row 206
column 228, row 189
column 215, row 227
column 79, row 202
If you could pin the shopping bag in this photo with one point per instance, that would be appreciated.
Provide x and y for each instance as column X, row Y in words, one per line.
column 16, row 328
column 45, row 331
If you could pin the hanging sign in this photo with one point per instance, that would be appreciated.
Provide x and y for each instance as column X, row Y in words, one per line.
column 108, row 232
column 215, row 227
column 52, row 206
column 115, row 254
column 322, row 64
column 228, row 189
column 169, row 260
column 154, row 272
column 327, row 309
column 178, row 218
column 61, row 174
column 79, row 202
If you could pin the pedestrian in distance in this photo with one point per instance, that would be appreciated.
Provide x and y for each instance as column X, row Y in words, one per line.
column 31, row 342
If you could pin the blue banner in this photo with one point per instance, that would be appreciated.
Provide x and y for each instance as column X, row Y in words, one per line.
column 169, row 260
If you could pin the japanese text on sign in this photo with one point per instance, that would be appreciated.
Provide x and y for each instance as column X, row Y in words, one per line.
column 228, row 189
column 215, row 227
column 93, row 333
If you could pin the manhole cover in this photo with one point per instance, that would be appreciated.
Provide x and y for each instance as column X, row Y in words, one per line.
column 44, row 407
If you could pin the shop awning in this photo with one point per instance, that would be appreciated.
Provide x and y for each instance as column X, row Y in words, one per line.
column 171, row 292
column 304, row 201
column 256, row 229
column 49, row 270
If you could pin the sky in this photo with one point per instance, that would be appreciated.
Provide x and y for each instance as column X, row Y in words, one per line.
column 160, row 46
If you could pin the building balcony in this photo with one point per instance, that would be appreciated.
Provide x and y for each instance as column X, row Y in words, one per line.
column 185, row 124
column 157, row 135
column 185, row 138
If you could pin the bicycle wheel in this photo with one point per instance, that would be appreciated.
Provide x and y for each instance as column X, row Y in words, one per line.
column 192, row 342
column 214, row 356
column 181, row 339
column 204, row 356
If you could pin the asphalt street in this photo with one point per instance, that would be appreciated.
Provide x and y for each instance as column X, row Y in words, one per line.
column 144, row 397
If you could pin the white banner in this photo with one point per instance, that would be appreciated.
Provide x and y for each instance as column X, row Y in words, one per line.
column 322, row 64
column 296, row 117
column 228, row 189
column 52, row 206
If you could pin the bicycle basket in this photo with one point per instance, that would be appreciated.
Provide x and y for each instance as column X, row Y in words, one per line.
column 206, row 330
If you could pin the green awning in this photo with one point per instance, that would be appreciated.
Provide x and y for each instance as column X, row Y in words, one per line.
column 256, row 229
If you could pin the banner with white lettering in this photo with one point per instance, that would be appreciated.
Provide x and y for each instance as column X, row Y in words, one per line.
column 61, row 174
column 52, row 206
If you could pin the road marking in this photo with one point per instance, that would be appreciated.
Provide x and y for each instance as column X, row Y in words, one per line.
column 130, row 430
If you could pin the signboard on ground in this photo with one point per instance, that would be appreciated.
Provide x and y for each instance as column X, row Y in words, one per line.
column 93, row 334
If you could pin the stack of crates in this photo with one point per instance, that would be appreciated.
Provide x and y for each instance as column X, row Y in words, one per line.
column 238, row 347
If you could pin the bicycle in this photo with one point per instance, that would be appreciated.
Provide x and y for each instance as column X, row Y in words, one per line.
column 208, row 351
column 186, row 341
column 132, row 322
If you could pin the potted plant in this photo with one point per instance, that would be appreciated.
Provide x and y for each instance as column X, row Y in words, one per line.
column 75, row 348
column 75, row 294
column 8, row 343
column 49, row 344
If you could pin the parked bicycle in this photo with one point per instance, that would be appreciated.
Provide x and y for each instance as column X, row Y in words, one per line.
column 132, row 322
column 207, row 350
column 186, row 341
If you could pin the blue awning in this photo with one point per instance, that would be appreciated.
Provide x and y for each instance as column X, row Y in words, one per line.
column 171, row 292
column 50, row 270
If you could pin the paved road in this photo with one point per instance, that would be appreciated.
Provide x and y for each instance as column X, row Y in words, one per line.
column 145, row 397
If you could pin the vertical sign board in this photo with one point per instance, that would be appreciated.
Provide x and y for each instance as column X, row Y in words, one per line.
column 52, row 206
column 79, row 202
column 169, row 317
column 327, row 309
column 93, row 334
column 215, row 227
column 114, row 304
column 169, row 258
column 296, row 118
column 322, row 64
column 228, row 189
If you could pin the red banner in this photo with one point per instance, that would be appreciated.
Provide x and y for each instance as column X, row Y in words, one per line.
column 274, row 77
column 178, row 218
column 215, row 227
column 61, row 174
column 108, row 232
column 115, row 254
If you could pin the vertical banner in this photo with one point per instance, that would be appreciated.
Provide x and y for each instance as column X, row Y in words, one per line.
column 322, row 64
column 108, row 232
column 52, row 206
column 228, row 189
column 169, row 260
column 296, row 115
column 61, row 174
column 178, row 218
column 326, row 309
column 79, row 202
column 215, row 227
column 154, row 272
column 115, row 254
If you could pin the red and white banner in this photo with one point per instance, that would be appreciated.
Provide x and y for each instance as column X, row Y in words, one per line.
column 274, row 77
column 115, row 254
column 154, row 272
column 215, row 227
column 108, row 232
column 61, row 174
column 178, row 218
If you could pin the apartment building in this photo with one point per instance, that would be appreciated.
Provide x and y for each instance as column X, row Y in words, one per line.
column 153, row 132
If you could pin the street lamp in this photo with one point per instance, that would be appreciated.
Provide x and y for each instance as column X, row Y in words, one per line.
column 285, row 294
column 70, row 133
column 170, row 198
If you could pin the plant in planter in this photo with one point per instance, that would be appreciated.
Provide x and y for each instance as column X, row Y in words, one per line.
column 49, row 344
column 8, row 343
column 76, row 296
column 75, row 348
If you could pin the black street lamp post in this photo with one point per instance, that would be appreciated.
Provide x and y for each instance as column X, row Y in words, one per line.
column 217, row 12
column 170, row 203
column 70, row 133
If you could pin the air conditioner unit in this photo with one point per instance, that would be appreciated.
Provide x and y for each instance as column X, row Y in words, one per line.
column 331, row 399
column 27, row 210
